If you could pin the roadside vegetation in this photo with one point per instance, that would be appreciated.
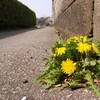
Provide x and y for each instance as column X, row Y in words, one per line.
column 13, row 14
column 74, row 63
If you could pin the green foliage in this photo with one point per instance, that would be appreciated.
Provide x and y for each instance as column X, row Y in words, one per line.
column 74, row 63
column 51, row 75
column 91, row 83
column 14, row 14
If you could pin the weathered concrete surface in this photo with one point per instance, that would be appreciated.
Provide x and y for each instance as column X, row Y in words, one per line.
column 22, row 59
column 97, row 20
column 73, row 16
column 60, row 6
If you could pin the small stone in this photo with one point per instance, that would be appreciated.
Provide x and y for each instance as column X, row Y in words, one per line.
column 86, row 90
column 31, row 57
column 27, row 51
column 24, row 98
column 25, row 81
column 45, row 50
column 69, row 95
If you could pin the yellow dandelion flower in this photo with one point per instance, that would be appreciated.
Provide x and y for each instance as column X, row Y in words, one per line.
column 68, row 66
column 61, row 50
column 83, row 47
column 59, row 42
column 95, row 49
column 68, row 41
column 74, row 38
column 83, row 38
column 71, row 38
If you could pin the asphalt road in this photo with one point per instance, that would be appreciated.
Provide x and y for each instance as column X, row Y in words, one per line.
column 22, row 55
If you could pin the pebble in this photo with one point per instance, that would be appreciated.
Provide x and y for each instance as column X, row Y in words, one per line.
column 24, row 98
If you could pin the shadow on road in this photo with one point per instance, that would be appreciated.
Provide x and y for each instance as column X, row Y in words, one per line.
column 13, row 33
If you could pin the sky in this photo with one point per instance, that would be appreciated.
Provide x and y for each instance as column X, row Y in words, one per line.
column 42, row 8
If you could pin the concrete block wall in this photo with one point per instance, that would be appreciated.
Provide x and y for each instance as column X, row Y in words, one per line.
column 96, row 21
column 77, row 17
